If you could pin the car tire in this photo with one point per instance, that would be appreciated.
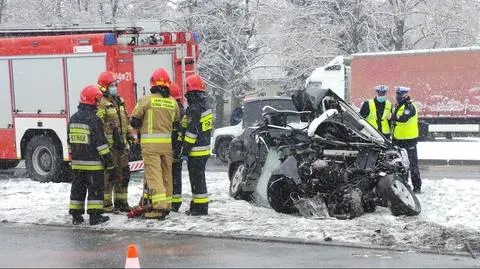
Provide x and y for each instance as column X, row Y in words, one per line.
column 400, row 197
column 7, row 164
column 44, row 160
column 237, row 178
column 222, row 149
column 278, row 194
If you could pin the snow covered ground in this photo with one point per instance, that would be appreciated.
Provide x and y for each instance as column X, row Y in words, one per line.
column 449, row 217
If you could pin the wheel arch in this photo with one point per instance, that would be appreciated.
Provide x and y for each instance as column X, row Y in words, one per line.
column 219, row 139
column 31, row 133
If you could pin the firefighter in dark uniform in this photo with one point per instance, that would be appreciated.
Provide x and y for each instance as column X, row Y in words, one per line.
column 90, row 156
column 378, row 111
column 405, row 132
column 112, row 113
column 153, row 117
column 196, row 143
column 177, row 142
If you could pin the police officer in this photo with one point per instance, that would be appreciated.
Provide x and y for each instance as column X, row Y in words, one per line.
column 113, row 115
column 177, row 142
column 154, row 116
column 405, row 131
column 90, row 155
column 378, row 111
column 196, row 143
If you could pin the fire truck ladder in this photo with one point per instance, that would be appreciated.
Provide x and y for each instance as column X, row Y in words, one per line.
column 66, row 30
column 185, row 73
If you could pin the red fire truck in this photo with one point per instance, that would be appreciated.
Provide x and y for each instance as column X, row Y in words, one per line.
column 43, row 70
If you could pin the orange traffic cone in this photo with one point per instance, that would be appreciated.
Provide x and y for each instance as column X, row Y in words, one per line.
column 132, row 257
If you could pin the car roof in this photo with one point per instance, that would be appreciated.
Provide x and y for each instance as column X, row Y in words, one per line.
column 265, row 98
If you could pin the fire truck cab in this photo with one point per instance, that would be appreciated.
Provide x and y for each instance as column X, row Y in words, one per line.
column 43, row 70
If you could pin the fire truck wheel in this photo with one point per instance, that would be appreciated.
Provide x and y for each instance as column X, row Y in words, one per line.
column 43, row 159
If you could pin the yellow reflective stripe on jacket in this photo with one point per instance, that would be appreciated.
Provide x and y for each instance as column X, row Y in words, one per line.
column 156, row 138
column 87, row 165
column 169, row 199
column 406, row 130
column 156, row 198
column 101, row 113
column 190, row 138
column 200, row 198
column 103, row 149
column 79, row 131
column 150, row 121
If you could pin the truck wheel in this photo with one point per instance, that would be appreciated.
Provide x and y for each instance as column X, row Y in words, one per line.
column 43, row 159
column 223, row 149
column 278, row 194
column 7, row 164
column 400, row 197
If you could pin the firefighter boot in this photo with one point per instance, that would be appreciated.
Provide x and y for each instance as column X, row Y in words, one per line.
column 77, row 219
column 122, row 207
column 97, row 218
column 158, row 214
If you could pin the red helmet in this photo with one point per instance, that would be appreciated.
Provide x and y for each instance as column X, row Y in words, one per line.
column 195, row 83
column 176, row 92
column 105, row 79
column 90, row 95
column 160, row 77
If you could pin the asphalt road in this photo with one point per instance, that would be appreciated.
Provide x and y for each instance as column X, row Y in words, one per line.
column 56, row 246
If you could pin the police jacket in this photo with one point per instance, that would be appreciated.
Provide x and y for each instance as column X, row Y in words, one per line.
column 154, row 116
column 113, row 115
column 196, row 142
column 87, row 142
column 376, row 113
column 405, row 122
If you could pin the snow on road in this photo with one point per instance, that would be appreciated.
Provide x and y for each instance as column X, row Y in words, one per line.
column 449, row 215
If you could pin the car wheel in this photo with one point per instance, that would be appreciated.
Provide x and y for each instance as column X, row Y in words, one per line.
column 223, row 150
column 279, row 189
column 400, row 197
column 43, row 159
column 235, row 182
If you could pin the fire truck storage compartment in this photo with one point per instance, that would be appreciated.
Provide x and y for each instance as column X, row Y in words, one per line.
column 36, row 85
column 144, row 64
column 5, row 104
column 82, row 71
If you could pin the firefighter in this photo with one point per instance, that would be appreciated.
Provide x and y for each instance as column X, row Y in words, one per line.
column 90, row 155
column 196, row 143
column 154, row 116
column 177, row 141
column 405, row 132
column 378, row 111
column 113, row 115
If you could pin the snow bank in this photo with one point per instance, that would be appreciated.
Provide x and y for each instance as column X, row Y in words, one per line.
column 448, row 219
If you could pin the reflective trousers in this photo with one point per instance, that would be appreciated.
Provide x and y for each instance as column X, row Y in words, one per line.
column 117, row 181
column 158, row 178
column 196, row 173
column 83, row 181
